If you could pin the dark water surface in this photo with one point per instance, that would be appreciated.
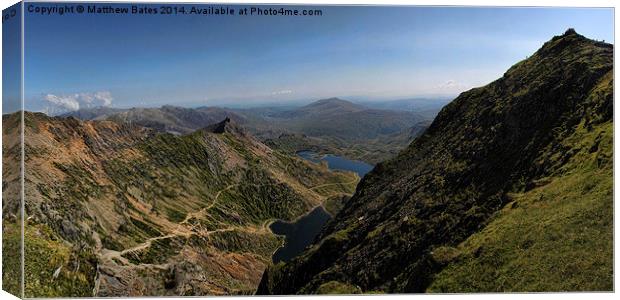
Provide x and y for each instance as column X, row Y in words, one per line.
column 336, row 162
column 299, row 234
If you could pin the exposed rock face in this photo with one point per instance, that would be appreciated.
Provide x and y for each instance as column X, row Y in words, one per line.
column 227, row 126
column 420, row 213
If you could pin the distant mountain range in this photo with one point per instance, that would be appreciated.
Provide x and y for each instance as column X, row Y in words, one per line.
column 510, row 189
column 425, row 106
column 342, row 119
column 172, row 119
column 329, row 125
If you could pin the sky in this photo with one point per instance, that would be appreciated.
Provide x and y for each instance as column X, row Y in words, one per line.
column 367, row 52
column 11, row 60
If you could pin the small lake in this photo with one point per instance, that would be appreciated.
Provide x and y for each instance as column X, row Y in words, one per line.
column 300, row 234
column 336, row 162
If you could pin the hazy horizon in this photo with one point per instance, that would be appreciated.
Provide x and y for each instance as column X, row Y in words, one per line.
column 284, row 104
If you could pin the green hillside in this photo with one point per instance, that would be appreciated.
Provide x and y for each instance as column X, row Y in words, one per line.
column 558, row 234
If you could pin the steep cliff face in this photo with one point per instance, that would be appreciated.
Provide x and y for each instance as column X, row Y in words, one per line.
column 115, row 209
column 436, row 217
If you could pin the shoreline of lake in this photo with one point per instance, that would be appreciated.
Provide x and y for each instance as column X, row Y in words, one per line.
column 301, row 232
column 336, row 162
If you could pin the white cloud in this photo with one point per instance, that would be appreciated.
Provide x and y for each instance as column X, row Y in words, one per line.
column 282, row 92
column 62, row 103
column 105, row 97
column 452, row 86
column 58, row 104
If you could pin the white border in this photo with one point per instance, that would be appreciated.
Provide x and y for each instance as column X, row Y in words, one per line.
column 573, row 3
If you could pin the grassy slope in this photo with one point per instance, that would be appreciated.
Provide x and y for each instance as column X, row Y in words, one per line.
column 556, row 237
column 11, row 260
column 52, row 267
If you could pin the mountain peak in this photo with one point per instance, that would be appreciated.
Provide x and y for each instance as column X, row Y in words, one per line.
column 332, row 100
column 333, row 104
column 226, row 125
column 565, row 49
column 570, row 31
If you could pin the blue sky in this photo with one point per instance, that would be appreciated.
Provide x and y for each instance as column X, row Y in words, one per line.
column 351, row 52
column 11, row 60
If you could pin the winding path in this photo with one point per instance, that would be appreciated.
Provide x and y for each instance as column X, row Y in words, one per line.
column 109, row 255
column 204, row 209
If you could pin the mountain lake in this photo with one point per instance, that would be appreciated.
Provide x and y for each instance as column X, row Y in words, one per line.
column 335, row 162
column 301, row 233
